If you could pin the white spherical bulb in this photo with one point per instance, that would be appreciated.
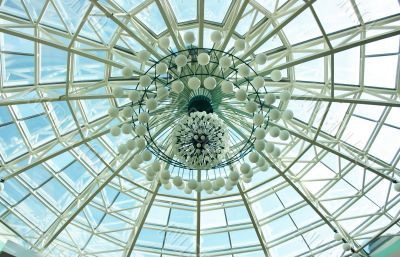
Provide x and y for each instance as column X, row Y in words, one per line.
column 245, row 168
column 274, row 114
column 145, row 81
column 140, row 143
column 244, row 70
column 265, row 167
column 199, row 187
column 215, row 187
column 177, row 181
column 192, row 184
column 149, row 178
column 151, row 104
column 127, row 71
column 150, row 173
column 146, row 155
column 246, row 179
column 269, row 147
column 203, row 59
column 164, row 42
column 228, row 187
column 134, row 165
column 143, row 56
column 251, row 106
column 241, row 94
column 165, row 175
column 274, row 131
column 285, row 96
column 225, row 62
column 260, row 133
column 207, row 185
column 210, row 83
column 261, row 162
column 138, row 159
column 187, row 190
column 346, row 247
column 177, row 86
column 181, row 60
column 396, row 187
column 240, row 44
column 249, row 174
column 276, row 75
column 130, row 144
column 118, row 92
column 181, row 187
column 162, row 92
column 126, row 128
column 261, row 58
column 258, row 119
column 338, row 237
column 113, row 112
column 259, row 145
column 254, row 157
column 269, row 99
column 216, row 36
column 233, row 183
column 161, row 68
column 258, row 82
column 134, row 95
column 115, row 131
column 276, row 152
column 140, row 130
column 284, row 135
column 210, row 191
column 234, row 176
column 220, row 182
column 122, row 149
column 189, row 37
column 127, row 111
column 168, row 186
column 156, row 166
column 143, row 117
column 227, row 87
column 194, row 83
column 287, row 115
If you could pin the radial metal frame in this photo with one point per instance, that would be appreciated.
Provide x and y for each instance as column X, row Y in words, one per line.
column 325, row 142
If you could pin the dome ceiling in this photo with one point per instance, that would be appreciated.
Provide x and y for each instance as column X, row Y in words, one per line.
column 69, row 190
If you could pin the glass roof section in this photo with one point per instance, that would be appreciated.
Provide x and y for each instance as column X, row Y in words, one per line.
column 69, row 193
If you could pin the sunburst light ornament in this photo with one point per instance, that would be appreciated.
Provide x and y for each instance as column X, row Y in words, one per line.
column 201, row 111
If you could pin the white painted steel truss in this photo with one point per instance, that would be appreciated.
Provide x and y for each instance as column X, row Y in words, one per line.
column 104, row 211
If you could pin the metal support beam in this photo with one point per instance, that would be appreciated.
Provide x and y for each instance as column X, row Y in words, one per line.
column 124, row 27
column 335, row 50
column 56, row 153
column 165, row 11
column 79, row 203
column 278, row 28
column 198, row 217
column 253, row 219
column 341, row 155
column 303, row 195
column 144, row 211
column 59, row 46
column 232, row 27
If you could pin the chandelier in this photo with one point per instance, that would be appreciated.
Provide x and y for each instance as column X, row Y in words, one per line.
column 204, row 110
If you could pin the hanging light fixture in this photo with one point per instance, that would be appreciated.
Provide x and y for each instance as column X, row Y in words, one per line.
column 201, row 109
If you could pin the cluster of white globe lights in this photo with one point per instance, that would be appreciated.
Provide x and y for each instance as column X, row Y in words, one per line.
column 213, row 129
column 211, row 133
column 244, row 171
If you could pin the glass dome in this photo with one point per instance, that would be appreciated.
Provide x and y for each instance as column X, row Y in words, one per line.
column 67, row 72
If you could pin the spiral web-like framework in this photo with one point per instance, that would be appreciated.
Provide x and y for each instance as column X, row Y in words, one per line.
column 68, row 190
